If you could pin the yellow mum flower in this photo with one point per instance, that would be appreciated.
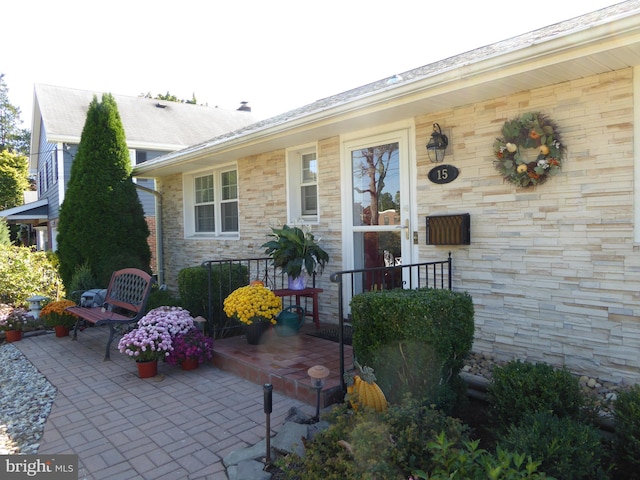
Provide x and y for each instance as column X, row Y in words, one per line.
column 253, row 303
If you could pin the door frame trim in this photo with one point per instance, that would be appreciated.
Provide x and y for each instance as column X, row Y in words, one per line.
column 405, row 132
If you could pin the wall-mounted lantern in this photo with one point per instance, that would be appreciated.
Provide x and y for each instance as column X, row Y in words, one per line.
column 437, row 146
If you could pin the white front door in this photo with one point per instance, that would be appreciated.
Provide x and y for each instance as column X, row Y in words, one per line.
column 378, row 215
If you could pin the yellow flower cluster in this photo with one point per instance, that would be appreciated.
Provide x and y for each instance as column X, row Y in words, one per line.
column 253, row 303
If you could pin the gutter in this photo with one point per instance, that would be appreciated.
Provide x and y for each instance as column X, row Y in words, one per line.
column 159, row 241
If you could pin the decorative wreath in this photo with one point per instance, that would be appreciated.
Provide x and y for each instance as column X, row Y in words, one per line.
column 532, row 130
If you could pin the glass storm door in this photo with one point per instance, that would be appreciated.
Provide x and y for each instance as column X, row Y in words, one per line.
column 380, row 223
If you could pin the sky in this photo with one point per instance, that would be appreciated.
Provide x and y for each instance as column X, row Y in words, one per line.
column 277, row 55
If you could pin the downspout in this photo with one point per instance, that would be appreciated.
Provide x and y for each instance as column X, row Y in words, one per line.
column 159, row 250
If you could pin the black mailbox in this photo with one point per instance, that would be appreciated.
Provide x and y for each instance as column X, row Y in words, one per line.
column 449, row 229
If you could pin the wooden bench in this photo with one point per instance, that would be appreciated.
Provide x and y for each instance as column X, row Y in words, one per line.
column 125, row 303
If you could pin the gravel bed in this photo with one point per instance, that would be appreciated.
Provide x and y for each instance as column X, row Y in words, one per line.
column 26, row 397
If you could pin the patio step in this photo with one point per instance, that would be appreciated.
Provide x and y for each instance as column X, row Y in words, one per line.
column 283, row 362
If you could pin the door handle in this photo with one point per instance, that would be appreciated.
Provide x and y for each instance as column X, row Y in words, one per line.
column 405, row 227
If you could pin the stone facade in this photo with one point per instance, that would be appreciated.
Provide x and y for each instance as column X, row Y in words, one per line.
column 553, row 270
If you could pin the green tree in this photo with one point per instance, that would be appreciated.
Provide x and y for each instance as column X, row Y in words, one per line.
column 171, row 98
column 102, row 221
column 5, row 237
column 12, row 137
column 14, row 146
column 14, row 179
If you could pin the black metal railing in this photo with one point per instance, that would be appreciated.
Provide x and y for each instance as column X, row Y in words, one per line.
column 226, row 275
column 436, row 274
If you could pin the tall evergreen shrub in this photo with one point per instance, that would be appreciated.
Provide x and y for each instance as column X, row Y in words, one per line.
column 102, row 220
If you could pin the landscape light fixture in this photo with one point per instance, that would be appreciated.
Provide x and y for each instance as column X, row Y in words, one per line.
column 318, row 374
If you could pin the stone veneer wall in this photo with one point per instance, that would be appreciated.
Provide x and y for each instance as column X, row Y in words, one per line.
column 553, row 270
column 262, row 204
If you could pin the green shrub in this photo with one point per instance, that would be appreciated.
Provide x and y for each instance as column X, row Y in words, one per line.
column 161, row 298
column 193, row 288
column 81, row 281
column 415, row 340
column 472, row 463
column 412, row 426
column 325, row 457
column 369, row 445
column 518, row 389
column 112, row 262
column 569, row 449
column 627, row 432
column 26, row 273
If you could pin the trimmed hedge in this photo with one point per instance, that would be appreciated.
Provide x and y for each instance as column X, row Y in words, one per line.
column 518, row 389
column 568, row 448
column 415, row 340
column 193, row 289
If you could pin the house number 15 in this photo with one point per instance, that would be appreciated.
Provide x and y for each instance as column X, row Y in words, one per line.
column 443, row 174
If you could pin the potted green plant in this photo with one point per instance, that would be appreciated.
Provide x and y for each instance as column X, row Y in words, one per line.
column 55, row 316
column 296, row 252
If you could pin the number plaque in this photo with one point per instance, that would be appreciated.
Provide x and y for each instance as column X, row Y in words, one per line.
column 443, row 174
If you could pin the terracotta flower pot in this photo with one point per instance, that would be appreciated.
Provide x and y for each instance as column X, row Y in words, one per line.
column 189, row 364
column 61, row 331
column 147, row 369
column 13, row 335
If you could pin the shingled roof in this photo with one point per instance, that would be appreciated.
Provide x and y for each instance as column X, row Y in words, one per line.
column 169, row 125
column 456, row 66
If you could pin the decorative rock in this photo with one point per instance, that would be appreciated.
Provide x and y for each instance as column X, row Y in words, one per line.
column 289, row 439
column 251, row 470
column 592, row 383
column 26, row 398
column 298, row 416
column 257, row 451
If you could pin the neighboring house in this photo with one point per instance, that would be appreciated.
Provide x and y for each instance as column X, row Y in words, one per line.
column 152, row 128
column 554, row 270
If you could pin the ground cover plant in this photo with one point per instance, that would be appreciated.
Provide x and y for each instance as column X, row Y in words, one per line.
column 551, row 436
column 627, row 433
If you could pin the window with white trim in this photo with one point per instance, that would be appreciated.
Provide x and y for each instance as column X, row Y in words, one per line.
column 211, row 203
column 302, row 167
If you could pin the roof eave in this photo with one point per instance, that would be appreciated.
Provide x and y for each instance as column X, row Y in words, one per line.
column 563, row 48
